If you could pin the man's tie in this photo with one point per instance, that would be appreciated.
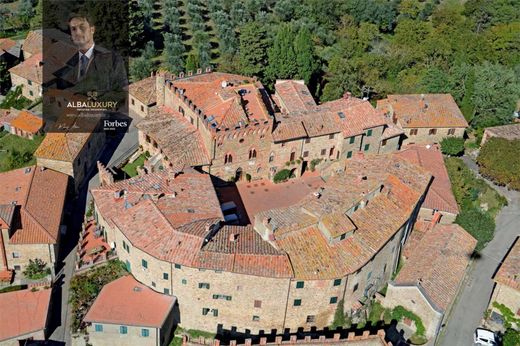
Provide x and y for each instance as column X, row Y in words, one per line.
column 83, row 64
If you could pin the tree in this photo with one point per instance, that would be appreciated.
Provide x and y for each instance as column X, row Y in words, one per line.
column 252, row 56
column 497, row 89
column 135, row 27
column 173, row 52
column 25, row 12
column 479, row 224
column 305, row 56
column 140, row 68
column 453, row 146
column 192, row 62
column 281, row 54
column 339, row 316
column 36, row 269
column 511, row 338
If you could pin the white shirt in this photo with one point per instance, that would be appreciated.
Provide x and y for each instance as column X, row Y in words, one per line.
column 88, row 54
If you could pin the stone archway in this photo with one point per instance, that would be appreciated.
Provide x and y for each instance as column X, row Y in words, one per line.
column 239, row 174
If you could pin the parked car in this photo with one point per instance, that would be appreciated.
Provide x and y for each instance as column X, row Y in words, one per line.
column 485, row 337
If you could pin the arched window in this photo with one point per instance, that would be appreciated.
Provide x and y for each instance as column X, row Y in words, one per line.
column 293, row 156
column 252, row 154
column 228, row 159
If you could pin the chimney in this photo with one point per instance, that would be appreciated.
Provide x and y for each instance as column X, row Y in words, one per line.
column 266, row 221
column 233, row 237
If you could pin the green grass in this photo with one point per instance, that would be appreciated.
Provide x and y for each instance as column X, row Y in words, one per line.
column 131, row 168
column 10, row 142
column 176, row 341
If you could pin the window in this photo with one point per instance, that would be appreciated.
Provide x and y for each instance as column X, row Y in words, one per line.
column 310, row 318
column 356, row 286
column 297, row 302
column 256, row 318
column 228, row 159
column 349, row 155
column 205, row 311
column 331, row 136
column 307, row 140
column 165, row 276
column 383, row 142
column 300, row 284
column 98, row 328
column 123, row 330
column 166, row 291
column 293, row 156
column 432, row 132
column 221, row 296
column 333, row 300
column 142, row 108
column 16, row 255
column 323, row 152
column 128, row 267
column 258, row 303
column 343, row 236
column 215, row 312
column 337, row 282
column 145, row 332
column 305, row 154
column 352, row 140
column 282, row 144
column 369, row 133
column 369, row 275
column 413, row 132
column 271, row 157
column 17, row 267
column 184, row 281
column 252, row 154
column 177, row 266
column 331, row 151
column 181, row 110
column 451, row 132
column 144, row 263
column 367, row 146
column 133, row 102
column 204, row 285
column 153, row 284
column 30, row 82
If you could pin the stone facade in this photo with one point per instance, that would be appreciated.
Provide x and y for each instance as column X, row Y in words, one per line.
column 20, row 339
column 414, row 300
column 253, row 303
column 508, row 296
column 111, row 335
column 425, row 135
column 138, row 107
column 30, row 89
column 18, row 255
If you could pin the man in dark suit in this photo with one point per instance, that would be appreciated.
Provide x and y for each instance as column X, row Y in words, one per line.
column 93, row 68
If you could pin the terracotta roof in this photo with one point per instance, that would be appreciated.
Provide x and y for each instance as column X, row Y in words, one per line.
column 311, row 254
column 178, row 139
column 427, row 110
column 62, row 146
column 7, row 115
column 28, row 122
column 390, row 131
column 30, row 69
column 6, row 44
column 33, row 43
column 126, row 301
column 439, row 195
column 23, row 312
column 241, row 100
column 144, row 90
column 6, row 215
column 509, row 271
column 510, row 132
column 40, row 198
column 438, row 263
column 293, row 96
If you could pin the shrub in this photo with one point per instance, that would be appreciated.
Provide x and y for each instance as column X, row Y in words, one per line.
column 282, row 175
column 339, row 316
column 314, row 163
column 511, row 338
column 37, row 269
column 479, row 224
column 248, row 177
column 399, row 312
column 453, row 146
column 499, row 160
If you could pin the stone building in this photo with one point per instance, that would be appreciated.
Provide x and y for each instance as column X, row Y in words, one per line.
column 31, row 212
column 24, row 316
column 229, row 126
column 142, row 96
column 127, row 312
column 26, row 124
column 431, row 277
column 507, row 286
column 29, row 76
column 289, row 269
column 439, row 197
column 425, row 118
column 510, row 132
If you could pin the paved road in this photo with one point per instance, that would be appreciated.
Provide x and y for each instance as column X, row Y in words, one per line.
column 474, row 298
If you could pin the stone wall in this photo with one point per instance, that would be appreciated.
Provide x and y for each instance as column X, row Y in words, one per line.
column 411, row 298
column 134, row 105
column 20, row 254
column 34, row 89
column 508, row 296
column 111, row 336
column 16, row 341
column 423, row 136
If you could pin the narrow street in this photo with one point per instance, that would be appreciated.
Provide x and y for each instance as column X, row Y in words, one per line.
column 476, row 291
